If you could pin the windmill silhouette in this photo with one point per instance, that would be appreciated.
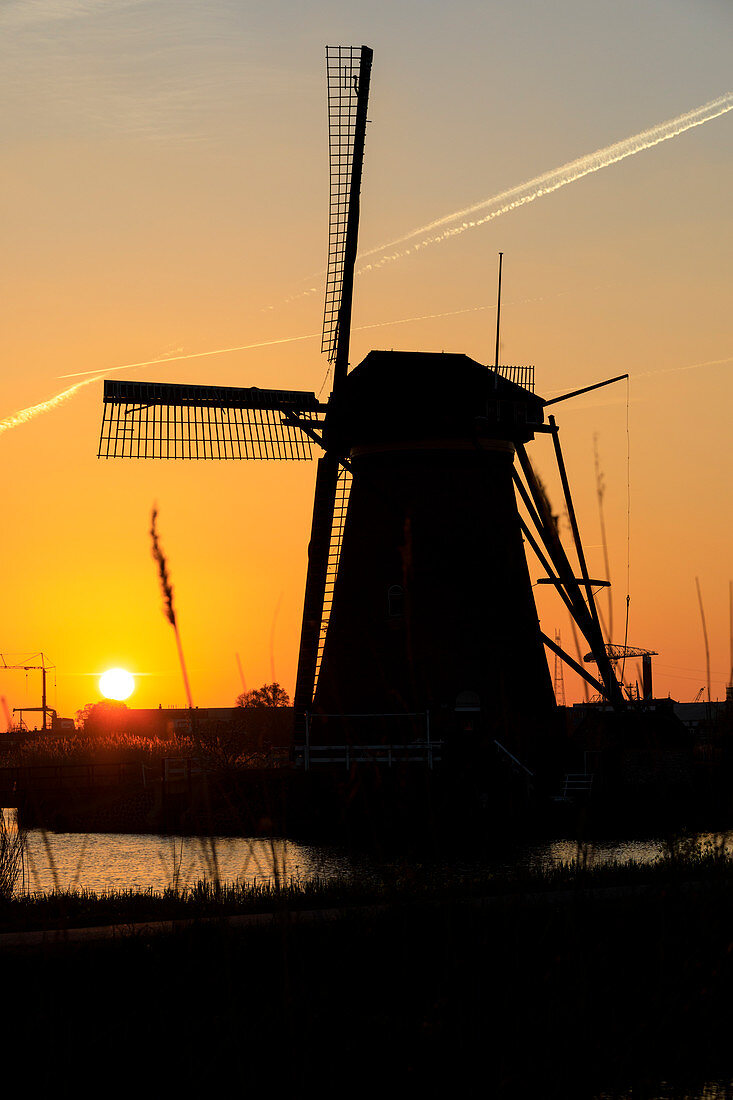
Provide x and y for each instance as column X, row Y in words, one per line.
column 419, row 623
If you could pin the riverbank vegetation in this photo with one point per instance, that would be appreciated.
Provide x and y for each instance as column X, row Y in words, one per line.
column 229, row 748
column 686, row 865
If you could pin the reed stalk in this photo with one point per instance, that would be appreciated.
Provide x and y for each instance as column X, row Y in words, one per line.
column 12, row 856
column 169, row 610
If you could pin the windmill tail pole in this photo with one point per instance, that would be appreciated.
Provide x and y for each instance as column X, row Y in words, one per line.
column 600, row 492
column 579, row 611
column 605, row 667
column 575, row 665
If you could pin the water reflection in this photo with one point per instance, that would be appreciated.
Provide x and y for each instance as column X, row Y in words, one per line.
column 121, row 861
column 712, row 1090
column 137, row 861
column 550, row 854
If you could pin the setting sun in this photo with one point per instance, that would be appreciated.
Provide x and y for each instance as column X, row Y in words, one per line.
column 116, row 683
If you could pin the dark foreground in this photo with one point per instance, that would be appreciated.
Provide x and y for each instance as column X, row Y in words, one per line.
column 570, row 991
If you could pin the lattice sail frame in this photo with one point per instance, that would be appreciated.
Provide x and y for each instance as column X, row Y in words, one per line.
column 343, row 67
column 341, row 507
column 157, row 420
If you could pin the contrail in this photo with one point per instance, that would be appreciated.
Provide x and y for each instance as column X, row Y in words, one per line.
column 535, row 188
column 24, row 415
column 265, row 344
column 688, row 366
column 191, row 355
column 307, row 336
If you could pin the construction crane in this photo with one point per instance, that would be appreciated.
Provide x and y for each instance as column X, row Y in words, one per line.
column 618, row 653
column 559, row 679
column 28, row 666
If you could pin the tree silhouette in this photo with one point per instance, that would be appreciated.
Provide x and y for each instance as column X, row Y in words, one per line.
column 269, row 695
column 105, row 716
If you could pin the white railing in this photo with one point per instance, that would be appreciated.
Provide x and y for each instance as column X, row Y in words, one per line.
column 420, row 751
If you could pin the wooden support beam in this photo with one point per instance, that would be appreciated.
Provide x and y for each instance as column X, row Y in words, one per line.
column 573, row 664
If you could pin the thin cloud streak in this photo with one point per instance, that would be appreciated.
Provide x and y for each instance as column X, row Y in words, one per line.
column 29, row 13
column 23, row 416
column 688, row 366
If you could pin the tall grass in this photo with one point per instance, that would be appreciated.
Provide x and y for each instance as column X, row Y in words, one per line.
column 706, row 873
column 218, row 750
column 208, row 843
column 97, row 749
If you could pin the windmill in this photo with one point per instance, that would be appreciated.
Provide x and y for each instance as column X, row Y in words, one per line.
column 419, row 619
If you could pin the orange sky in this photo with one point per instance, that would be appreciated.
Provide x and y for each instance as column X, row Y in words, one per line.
column 165, row 181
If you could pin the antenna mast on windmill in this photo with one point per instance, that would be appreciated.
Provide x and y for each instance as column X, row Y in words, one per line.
column 419, row 620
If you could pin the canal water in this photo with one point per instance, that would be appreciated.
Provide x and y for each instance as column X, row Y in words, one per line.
column 123, row 861
column 711, row 1090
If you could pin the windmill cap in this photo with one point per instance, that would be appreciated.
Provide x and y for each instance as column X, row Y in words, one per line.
column 421, row 395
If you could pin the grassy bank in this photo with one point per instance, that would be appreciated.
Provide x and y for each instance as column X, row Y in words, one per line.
column 685, row 866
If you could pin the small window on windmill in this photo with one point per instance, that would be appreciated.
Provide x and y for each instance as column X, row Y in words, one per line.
column 492, row 410
column 520, row 412
column 395, row 601
column 468, row 702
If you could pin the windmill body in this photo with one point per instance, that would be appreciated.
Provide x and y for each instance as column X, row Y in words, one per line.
column 432, row 603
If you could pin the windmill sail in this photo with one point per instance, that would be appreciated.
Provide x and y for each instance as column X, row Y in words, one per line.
column 156, row 420
column 319, row 549
column 349, row 72
column 341, row 507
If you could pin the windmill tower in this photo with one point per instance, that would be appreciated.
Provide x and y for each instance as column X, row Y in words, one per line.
column 418, row 612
